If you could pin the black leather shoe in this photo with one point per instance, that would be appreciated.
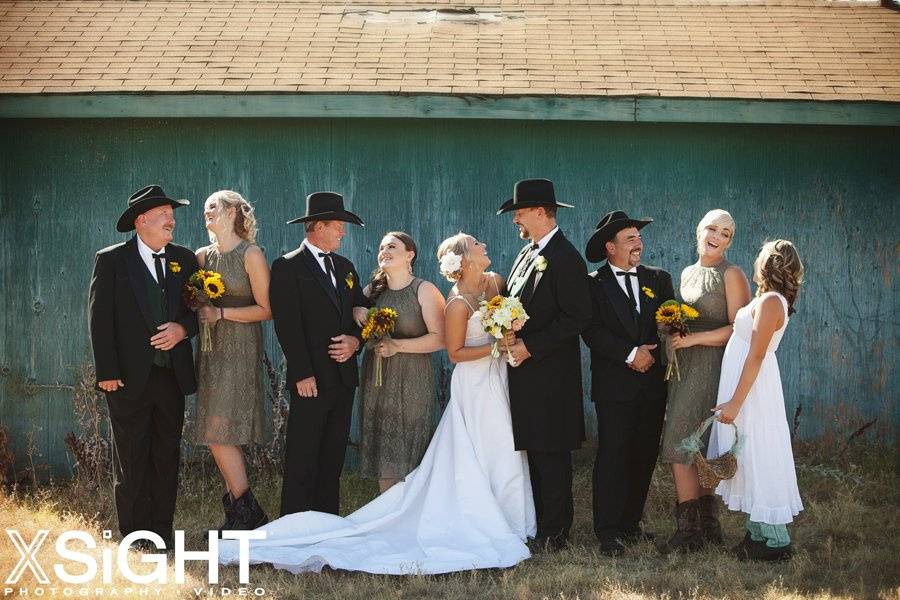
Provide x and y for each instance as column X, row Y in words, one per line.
column 636, row 536
column 548, row 543
column 612, row 547
column 145, row 546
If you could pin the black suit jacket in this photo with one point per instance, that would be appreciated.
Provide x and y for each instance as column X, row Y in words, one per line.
column 614, row 333
column 121, row 322
column 545, row 391
column 308, row 311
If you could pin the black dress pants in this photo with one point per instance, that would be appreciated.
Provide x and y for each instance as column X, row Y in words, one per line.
column 551, row 485
column 628, row 436
column 146, row 454
column 315, row 447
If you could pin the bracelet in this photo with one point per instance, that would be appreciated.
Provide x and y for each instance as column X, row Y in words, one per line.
column 222, row 312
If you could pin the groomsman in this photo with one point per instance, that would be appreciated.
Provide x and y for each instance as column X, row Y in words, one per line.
column 546, row 400
column 313, row 292
column 140, row 333
column 627, row 377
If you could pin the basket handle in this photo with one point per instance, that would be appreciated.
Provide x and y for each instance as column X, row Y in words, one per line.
column 694, row 442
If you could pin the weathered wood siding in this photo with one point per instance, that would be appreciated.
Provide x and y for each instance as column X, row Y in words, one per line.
column 833, row 190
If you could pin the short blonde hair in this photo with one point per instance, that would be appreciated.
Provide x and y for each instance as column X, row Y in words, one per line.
column 720, row 218
column 244, row 219
column 457, row 244
column 778, row 269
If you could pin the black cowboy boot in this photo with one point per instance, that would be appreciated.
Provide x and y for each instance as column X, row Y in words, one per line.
column 230, row 515
column 710, row 528
column 688, row 536
column 249, row 514
column 750, row 549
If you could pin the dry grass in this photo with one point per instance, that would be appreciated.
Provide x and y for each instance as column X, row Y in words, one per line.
column 846, row 540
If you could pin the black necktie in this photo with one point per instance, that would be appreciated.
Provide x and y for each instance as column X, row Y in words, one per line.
column 160, row 270
column 628, row 287
column 329, row 267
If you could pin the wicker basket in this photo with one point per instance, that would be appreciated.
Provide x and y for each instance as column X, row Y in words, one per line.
column 711, row 471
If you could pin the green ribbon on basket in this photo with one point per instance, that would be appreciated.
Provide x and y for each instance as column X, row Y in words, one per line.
column 694, row 442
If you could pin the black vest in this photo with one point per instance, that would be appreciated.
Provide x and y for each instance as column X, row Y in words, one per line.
column 156, row 297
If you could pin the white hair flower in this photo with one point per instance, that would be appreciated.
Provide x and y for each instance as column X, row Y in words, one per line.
column 450, row 263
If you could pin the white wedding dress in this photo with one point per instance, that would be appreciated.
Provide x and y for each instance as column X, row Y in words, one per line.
column 468, row 505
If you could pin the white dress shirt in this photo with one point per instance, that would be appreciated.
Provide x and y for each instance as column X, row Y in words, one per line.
column 321, row 260
column 620, row 279
column 542, row 243
column 146, row 254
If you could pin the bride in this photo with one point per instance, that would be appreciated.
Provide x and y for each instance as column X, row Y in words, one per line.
column 468, row 505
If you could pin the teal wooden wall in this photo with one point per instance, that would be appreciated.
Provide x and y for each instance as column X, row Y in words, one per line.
column 833, row 190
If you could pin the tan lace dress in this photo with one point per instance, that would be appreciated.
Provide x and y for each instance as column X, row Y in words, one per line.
column 230, row 377
column 690, row 400
column 396, row 418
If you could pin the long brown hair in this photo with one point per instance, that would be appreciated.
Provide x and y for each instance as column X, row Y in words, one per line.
column 778, row 269
column 379, row 282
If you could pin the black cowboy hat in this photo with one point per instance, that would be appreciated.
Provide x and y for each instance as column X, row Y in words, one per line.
column 143, row 200
column 529, row 193
column 327, row 206
column 607, row 228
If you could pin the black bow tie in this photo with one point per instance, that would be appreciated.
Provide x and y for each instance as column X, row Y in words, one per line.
column 628, row 289
column 158, row 260
column 329, row 266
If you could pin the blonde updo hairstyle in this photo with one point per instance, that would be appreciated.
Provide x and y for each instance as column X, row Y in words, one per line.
column 244, row 219
column 457, row 244
column 720, row 218
column 778, row 269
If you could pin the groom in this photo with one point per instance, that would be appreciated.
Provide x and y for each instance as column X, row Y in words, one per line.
column 313, row 292
column 550, row 278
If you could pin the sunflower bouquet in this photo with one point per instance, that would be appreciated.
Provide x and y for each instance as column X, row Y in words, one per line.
column 674, row 316
column 202, row 288
column 380, row 323
column 500, row 315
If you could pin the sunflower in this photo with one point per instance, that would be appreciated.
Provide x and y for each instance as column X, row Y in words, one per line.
column 213, row 286
column 668, row 314
column 689, row 312
column 380, row 322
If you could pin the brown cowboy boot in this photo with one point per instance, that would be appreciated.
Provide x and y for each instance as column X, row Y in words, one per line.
column 710, row 528
column 688, row 536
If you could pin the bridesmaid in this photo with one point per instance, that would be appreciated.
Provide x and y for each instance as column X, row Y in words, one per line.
column 717, row 289
column 396, row 417
column 230, row 411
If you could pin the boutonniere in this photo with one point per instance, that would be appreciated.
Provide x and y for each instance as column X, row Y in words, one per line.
column 349, row 281
column 648, row 292
column 540, row 264
column 174, row 266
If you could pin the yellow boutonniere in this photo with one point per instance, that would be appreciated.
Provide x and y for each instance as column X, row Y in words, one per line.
column 174, row 266
column 349, row 281
column 648, row 292
column 540, row 264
